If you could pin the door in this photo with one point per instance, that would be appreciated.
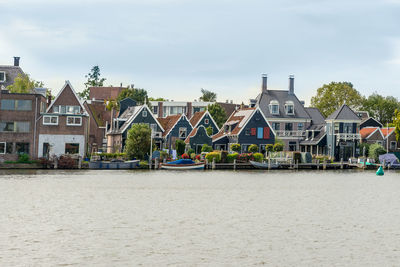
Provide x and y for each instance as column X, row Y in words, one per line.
column 46, row 150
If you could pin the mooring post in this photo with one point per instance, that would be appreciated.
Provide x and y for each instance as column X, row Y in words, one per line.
column 269, row 163
column 341, row 163
column 156, row 166
column 318, row 162
column 55, row 163
column 364, row 163
column 213, row 164
column 384, row 164
column 234, row 164
column 79, row 162
column 324, row 165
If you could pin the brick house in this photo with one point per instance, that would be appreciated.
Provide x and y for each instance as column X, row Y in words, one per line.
column 19, row 125
column 64, row 127
column 9, row 72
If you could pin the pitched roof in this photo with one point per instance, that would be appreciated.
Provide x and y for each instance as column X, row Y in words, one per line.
column 362, row 114
column 105, row 92
column 386, row 131
column 316, row 140
column 131, row 113
column 282, row 96
column 99, row 112
column 370, row 119
column 238, row 119
column 316, row 116
column 196, row 118
column 169, row 122
column 365, row 132
column 11, row 73
column 344, row 113
column 192, row 133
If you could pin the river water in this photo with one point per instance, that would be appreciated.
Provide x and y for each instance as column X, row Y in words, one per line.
column 211, row 218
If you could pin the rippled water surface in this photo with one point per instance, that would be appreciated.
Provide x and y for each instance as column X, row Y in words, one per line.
column 126, row 218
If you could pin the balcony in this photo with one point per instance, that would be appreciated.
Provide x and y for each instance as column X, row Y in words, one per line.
column 290, row 133
column 347, row 136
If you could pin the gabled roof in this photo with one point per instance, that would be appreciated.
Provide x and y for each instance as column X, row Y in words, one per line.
column 11, row 73
column 169, row 122
column 282, row 96
column 387, row 132
column 371, row 119
column 194, row 132
column 67, row 83
column 131, row 113
column 362, row 114
column 344, row 113
column 198, row 116
column 368, row 131
column 316, row 116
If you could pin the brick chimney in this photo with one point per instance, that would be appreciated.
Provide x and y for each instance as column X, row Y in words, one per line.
column 291, row 84
column 189, row 110
column 264, row 84
column 160, row 109
column 16, row 61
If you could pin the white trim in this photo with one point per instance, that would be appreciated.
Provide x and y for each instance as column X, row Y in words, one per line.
column 5, row 148
column 390, row 132
column 377, row 129
column 74, row 124
column 288, row 120
column 344, row 121
column 76, row 96
column 182, row 115
column 133, row 117
column 371, row 118
column 248, row 119
column 5, row 77
column 49, row 116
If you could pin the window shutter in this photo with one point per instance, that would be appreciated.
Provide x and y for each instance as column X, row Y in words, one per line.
column 266, row 132
column 253, row 131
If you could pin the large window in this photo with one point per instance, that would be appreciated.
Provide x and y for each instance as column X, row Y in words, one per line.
column 50, row 120
column 15, row 126
column 12, row 104
column 71, row 148
column 67, row 109
column 289, row 126
column 348, row 128
column 22, row 148
column 2, row 76
column 74, row 121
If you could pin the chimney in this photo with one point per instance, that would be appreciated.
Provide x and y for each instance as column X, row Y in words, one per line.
column 160, row 109
column 189, row 110
column 291, row 84
column 16, row 61
column 264, row 83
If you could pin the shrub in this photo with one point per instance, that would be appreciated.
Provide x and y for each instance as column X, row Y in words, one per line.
column 164, row 155
column 253, row 148
column 235, row 147
column 245, row 157
column 193, row 155
column 366, row 147
column 185, row 156
column 206, row 148
column 278, row 147
column 375, row 150
column 231, row 157
column 180, row 146
column 46, row 163
column 143, row 164
column 66, row 162
column 258, row 157
column 198, row 157
column 269, row 148
column 23, row 158
column 213, row 155
column 190, row 151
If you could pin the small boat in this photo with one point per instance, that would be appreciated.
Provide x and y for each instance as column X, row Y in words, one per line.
column 264, row 165
column 116, row 164
column 183, row 164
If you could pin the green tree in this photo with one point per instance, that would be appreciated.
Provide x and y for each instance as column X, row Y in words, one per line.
column 157, row 99
column 139, row 95
column 332, row 96
column 180, row 147
column 24, row 84
column 278, row 147
column 218, row 113
column 93, row 79
column 206, row 148
column 209, row 130
column 138, row 141
column 375, row 150
column 235, row 147
column 396, row 122
column 380, row 107
column 208, row 96
column 253, row 148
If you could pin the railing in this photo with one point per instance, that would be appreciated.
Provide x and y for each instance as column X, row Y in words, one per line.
column 348, row 136
column 291, row 133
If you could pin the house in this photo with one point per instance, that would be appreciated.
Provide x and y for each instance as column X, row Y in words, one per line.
column 64, row 126
column 370, row 122
column 391, row 143
column 343, row 133
column 315, row 136
column 372, row 135
column 204, row 118
column 197, row 138
column 175, row 127
column 162, row 109
column 130, row 114
column 102, row 93
column 19, row 127
column 8, row 73
column 98, row 118
column 245, row 126
column 286, row 113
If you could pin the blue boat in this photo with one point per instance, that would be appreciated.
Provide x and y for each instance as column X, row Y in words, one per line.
column 183, row 164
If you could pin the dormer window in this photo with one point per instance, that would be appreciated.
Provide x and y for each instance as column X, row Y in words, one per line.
column 2, row 76
column 289, row 108
column 274, row 107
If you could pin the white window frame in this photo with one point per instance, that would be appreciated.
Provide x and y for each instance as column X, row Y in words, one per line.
column 394, row 146
column 49, row 123
column 271, row 104
column 181, row 130
column 144, row 113
column 5, row 77
column 206, row 121
column 74, row 124
column 5, row 148
column 287, row 104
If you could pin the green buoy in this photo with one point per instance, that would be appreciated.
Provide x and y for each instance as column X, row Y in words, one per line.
column 380, row 171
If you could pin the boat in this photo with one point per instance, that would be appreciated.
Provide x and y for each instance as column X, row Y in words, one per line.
column 264, row 165
column 116, row 164
column 183, row 164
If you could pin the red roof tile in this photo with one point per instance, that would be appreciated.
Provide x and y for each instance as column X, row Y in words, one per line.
column 365, row 132
column 168, row 122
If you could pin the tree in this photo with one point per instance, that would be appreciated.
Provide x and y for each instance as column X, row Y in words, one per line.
column 375, row 150
column 208, row 96
column 138, row 141
column 218, row 113
column 396, row 122
column 253, row 148
column 206, row 148
column 157, row 99
column 24, row 84
column 180, row 147
column 332, row 96
column 278, row 147
column 235, row 147
column 139, row 95
column 209, row 130
column 93, row 79
column 380, row 107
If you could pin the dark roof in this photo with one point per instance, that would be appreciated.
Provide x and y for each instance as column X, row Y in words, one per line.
column 228, row 107
column 344, row 113
column 369, row 120
column 316, row 140
column 264, row 99
column 362, row 114
column 316, row 116
column 236, row 121
column 168, row 122
column 11, row 73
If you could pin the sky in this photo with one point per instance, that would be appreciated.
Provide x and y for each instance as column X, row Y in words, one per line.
column 173, row 48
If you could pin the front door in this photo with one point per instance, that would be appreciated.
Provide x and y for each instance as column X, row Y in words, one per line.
column 46, row 150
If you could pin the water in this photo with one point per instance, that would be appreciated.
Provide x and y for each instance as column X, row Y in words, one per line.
column 126, row 218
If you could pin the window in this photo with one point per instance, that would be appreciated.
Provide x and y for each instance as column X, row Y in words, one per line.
column 2, row 148
column 7, row 104
column 336, row 127
column 348, row 128
column 22, row 126
column 164, row 111
column 67, row 109
column 247, row 132
column 380, row 142
column 74, row 121
column 300, row 126
column 22, row 148
column 289, row 126
column 9, row 148
column 155, row 110
column 50, row 120
column 23, row 104
column 276, row 126
column 153, row 127
column 42, row 107
column 144, row 113
column 7, row 126
column 2, row 76
column 206, row 121
column 274, row 107
column 260, row 132
column 71, row 148
column 393, row 144
column 15, row 126
column 289, row 108
column 182, row 132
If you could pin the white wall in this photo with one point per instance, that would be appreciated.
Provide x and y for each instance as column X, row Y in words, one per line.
column 57, row 143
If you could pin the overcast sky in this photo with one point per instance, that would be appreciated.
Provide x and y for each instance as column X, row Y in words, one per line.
column 172, row 48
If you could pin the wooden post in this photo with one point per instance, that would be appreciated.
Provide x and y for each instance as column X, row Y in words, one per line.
column 234, row 164
column 324, row 165
column 297, row 164
column 55, row 163
column 269, row 163
column 341, row 163
column 364, row 163
column 206, row 163
column 384, row 164
column 318, row 164
column 79, row 162
column 156, row 162
column 213, row 164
